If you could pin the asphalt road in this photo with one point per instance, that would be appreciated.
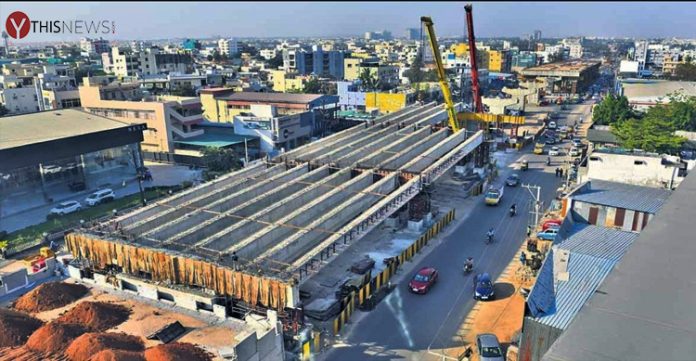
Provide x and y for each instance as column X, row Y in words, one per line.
column 405, row 325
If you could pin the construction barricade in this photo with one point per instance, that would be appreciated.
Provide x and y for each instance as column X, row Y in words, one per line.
column 359, row 298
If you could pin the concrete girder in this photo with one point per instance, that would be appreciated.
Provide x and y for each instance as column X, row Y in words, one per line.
column 431, row 155
column 200, row 216
column 228, row 236
column 197, row 235
column 376, row 157
column 175, row 211
column 397, row 160
column 305, row 240
column 187, row 195
column 253, row 245
column 367, row 131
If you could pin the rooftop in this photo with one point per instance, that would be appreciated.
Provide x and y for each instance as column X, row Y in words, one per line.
column 216, row 138
column 645, row 308
column 20, row 130
column 597, row 241
column 577, row 66
column 652, row 90
column 273, row 97
column 621, row 195
column 601, row 136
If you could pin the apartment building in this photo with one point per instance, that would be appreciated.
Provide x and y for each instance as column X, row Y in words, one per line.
column 351, row 68
column 93, row 47
column 168, row 119
column 385, row 74
column 228, row 47
column 286, row 82
column 317, row 62
column 277, row 133
column 150, row 61
column 221, row 106
column 16, row 96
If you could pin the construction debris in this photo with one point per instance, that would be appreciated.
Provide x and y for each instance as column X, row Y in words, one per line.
column 49, row 296
column 54, row 337
column 90, row 344
column 177, row 351
column 97, row 316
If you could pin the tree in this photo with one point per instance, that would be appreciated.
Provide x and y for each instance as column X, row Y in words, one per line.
column 209, row 57
column 276, row 61
column 216, row 56
column 368, row 81
column 220, row 160
column 611, row 110
column 686, row 71
column 312, row 86
column 652, row 134
column 415, row 72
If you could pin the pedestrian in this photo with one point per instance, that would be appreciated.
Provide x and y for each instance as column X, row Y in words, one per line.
column 529, row 231
column 560, row 171
column 556, row 171
column 235, row 259
column 523, row 259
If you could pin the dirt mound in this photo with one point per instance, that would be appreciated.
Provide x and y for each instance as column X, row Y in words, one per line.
column 117, row 355
column 177, row 351
column 50, row 296
column 54, row 337
column 16, row 327
column 90, row 343
column 98, row 316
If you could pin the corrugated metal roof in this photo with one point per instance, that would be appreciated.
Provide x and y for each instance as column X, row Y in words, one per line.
column 602, row 242
column 601, row 136
column 620, row 195
column 586, row 273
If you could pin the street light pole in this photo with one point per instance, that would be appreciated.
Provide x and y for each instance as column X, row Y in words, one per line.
column 537, row 201
column 140, row 179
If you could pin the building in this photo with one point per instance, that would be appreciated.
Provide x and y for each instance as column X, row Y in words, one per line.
column 629, row 317
column 191, row 44
column 351, row 68
column 573, row 77
column 576, row 51
column 413, row 34
column 149, row 61
column 57, row 91
column 637, row 167
column 276, row 133
column 386, row 75
column 230, row 105
column 167, row 118
column 499, row 61
column 351, row 98
column 317, row 62
column 268, row 54
column 537, row 35
column 43, row 153
column 121, row 63
column 288, row 82
column 643, row 94
column 18, row 95
column 379, row 35
column 228, row 47
column 522, row 60
column 94, row 47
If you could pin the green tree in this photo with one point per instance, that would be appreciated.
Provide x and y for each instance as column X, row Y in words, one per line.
column 415, row 73
column 220, row 160
column 312, row 86
column 216, row 56
column 276, row 61
column 686, row 71
column 209, row 57
column 611, row 110
column 652, row 134
column 368, row 81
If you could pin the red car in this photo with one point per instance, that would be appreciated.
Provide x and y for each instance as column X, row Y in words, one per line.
column 423, row 280
column 551, row 223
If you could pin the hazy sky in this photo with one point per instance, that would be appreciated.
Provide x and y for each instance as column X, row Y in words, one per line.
column 286, row 19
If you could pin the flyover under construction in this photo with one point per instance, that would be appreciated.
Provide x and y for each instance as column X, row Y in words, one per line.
column 254, row 235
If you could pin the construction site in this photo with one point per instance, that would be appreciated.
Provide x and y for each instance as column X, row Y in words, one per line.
column 247, row 241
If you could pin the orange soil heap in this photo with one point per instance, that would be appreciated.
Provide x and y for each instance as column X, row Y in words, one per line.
column 54, row 337
column 89, row 344
column 50, row 296
column 117, row 355
column 177, row 351
column 98, row 316
column 16, row 327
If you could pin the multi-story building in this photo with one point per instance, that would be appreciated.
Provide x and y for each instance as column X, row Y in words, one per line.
column 576, row 51
column 57, row 91
column 522, row 60
column 94, row 46
column 268, row 54
column 351, row 68
column 276, row 132
column 150, row 61
column 317, row 62
column 537, row 35
column 17, row 97
column 385, row 74
column 413, row 34
column 228, row 47
column 168, row 119
column 378, row 35
column 191, row 44
column 221, row 105
column 499, row 61
column 288, row 82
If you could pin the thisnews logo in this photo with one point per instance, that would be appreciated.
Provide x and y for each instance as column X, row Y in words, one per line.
column 18, row 25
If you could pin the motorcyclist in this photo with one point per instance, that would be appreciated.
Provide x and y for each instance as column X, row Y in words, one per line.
column 513, row 209
column 469, row 265
column 490, row 234
column 548, row 160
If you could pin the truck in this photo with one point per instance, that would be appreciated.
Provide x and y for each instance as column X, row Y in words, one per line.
column 493, row 195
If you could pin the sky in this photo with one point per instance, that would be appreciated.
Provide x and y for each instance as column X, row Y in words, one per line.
column 160, row 20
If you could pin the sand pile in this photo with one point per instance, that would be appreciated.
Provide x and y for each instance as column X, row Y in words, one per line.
column 98, row 316
column 177, row 351
column 16, row 327
column 54, row 337
column 89, row 344
column 118, row 355
column 49, row 296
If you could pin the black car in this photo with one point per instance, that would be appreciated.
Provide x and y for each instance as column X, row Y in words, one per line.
column 77, row 186
column 513, row 180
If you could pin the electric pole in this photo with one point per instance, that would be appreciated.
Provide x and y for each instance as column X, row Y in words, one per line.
column 537, row 201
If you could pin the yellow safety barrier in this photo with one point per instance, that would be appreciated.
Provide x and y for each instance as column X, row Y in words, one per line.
column 305, row 350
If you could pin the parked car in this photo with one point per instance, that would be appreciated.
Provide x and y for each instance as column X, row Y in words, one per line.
column 52, row 169
column 552, row 125
column 489, row 348
column 551, row 222
column 554, row 151
column 513, row 180
column 77, row 186
column 551, row 140
column 549, row 234
column 100, row 196
column 544, row 103
column 574, row 152
column 423, row 280
column 483, row 287
column 66, row 208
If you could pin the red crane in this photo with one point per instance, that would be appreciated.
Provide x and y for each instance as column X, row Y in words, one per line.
column 478, row 105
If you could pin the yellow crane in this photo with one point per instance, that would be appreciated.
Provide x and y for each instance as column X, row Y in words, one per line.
column 449, row 105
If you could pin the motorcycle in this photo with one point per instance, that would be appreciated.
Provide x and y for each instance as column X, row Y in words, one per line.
column 489, row 239
column 468, row 267
column 512, row 212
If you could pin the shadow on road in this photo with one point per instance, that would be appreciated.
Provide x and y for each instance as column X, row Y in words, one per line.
column 503, row 290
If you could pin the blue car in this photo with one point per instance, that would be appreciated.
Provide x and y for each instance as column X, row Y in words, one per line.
column 548, row 235
column 483, row 287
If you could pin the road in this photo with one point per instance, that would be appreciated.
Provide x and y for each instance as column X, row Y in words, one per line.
column 405, row 325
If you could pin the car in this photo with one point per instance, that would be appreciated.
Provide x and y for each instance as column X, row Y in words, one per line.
column 554, row 151
column 483, row 287
column 423, row 280
column 552, row 125
column 574, row 152
column 489, row 348
column 549, row 234
column 513, row 180
column 577, row 142
column 550, row 222
column 77, row 186
column 551, row 140
column 52, row 169
column 100, row 196
column 66, row 208
column 544, row 103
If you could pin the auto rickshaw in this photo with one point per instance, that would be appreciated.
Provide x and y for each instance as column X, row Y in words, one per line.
column 525, row 165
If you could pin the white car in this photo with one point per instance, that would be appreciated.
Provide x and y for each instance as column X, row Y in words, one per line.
column 552, row 125
column 100, row 196
column 574, row 152
column 554, row 151
column 52, row 169
column 66, row 208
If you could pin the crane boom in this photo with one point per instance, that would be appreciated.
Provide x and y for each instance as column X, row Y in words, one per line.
column 449, row 105
column 478, row 104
